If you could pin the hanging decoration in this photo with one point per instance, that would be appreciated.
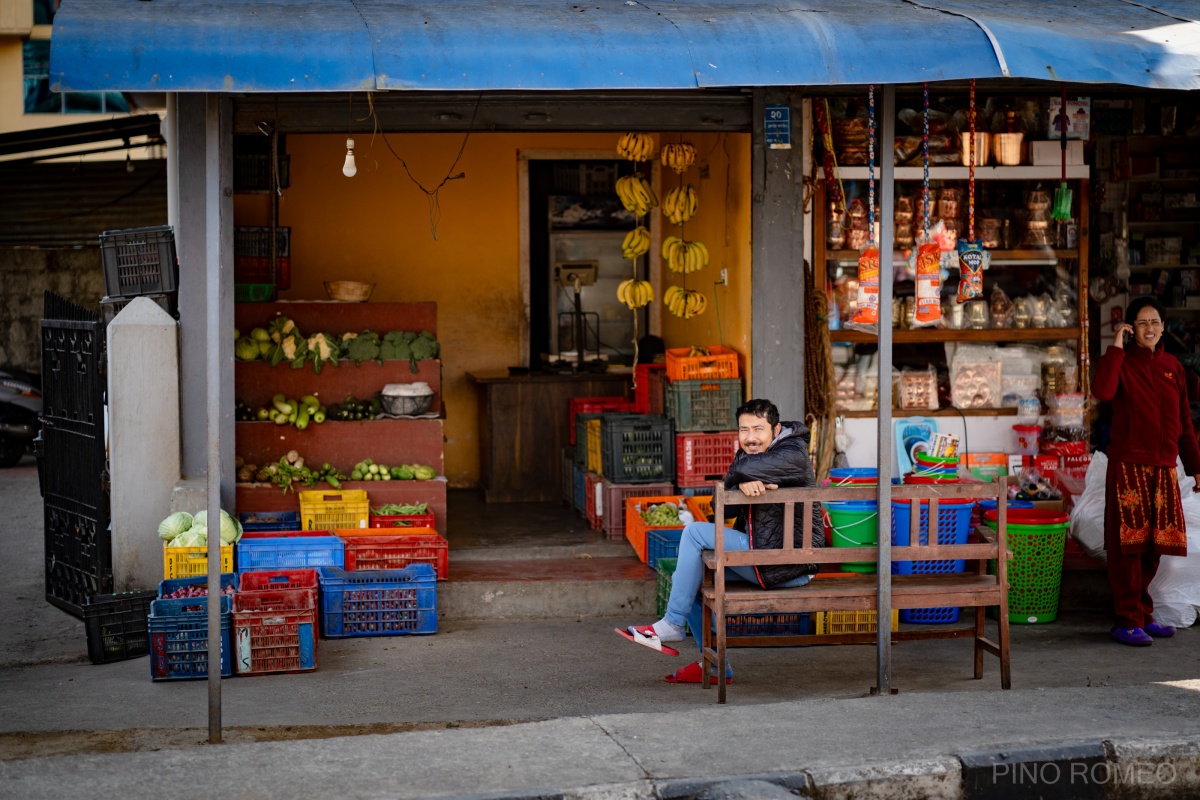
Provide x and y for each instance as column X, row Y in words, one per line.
column 972, row 258
column 929, row 254
column 866, row 315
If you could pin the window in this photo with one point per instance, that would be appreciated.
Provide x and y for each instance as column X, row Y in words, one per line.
column 40, row 100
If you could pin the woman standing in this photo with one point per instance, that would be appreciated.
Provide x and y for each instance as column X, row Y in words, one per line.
column 1151, row 427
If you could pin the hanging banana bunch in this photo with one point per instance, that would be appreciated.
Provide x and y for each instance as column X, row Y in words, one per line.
column 636, row 146
column 679, row 157
column 685, row 303
column 637, row 243
column 680, row 204
column 635, row 294
column 636, row 194
column 684, row 256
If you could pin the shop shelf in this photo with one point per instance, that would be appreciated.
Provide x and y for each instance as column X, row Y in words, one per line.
column 594, row 405
column 636, row 529
column 704, row 405
column 649, row 391
column 334, row 509
column 612, row 499
column 396, row 552
column 921, row 335
column 290, row 552
column 183, row 562
column 721, row 362
column 116, row 626
column 593, row 502
column 402, row 520
column 165, row 587
column 701, row 458
column 274, row 632
column 179, row 640
column 139, row 261
column 637, row 448
column 378, row 602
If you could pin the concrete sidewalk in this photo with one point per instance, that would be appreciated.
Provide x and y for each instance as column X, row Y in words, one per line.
column 565, row 706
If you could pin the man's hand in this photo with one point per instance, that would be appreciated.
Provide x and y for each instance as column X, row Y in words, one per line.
column 755, row 488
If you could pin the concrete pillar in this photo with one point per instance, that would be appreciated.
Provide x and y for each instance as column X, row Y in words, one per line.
column 143, row 438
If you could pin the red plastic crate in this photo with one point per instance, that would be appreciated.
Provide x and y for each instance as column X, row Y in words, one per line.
column 612, row 501
column 402, row 521
column 302, row 583
column 647, row 376
column 397, row 552
column 593, row 510
column 595, row 405
column 701, row 458
column 274, row 632
column 721, row 362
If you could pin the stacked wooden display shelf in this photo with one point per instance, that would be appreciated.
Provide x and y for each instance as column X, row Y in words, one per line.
column 342, row 444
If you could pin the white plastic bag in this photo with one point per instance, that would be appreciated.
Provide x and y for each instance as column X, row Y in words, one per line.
column 1176, row 588
column 1087, row 517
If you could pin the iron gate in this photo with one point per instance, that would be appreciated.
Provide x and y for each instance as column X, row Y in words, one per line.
column 71, row 455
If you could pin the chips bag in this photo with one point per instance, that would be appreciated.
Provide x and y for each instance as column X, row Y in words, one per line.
column 972, row 260
column 866, row 316
column 929, row 286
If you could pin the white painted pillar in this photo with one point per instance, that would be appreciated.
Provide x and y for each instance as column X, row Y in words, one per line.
column 143, row 436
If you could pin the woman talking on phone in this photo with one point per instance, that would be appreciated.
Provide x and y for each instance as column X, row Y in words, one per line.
column 1151, row 427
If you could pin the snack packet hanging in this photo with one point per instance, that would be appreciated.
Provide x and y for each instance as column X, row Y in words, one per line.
column 972, row 261
column 929, row 286
column 866, row 316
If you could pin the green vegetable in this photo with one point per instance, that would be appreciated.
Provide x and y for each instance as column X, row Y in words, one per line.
column 422, row 473
column 364, row 347
column 662, row 515
column 246, row 349
column 405, row 472
column 174, row 525
column 400, row 510
column 260, row 335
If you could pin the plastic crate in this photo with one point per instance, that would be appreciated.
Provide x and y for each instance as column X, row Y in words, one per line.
column 255, row 521
column 257, row 269
column 612, row 499
column 281, row 534
column 567, row 478
column 578, row 488
column 636, row 529
column 179, row 640
column 326, row 511
column 701, row 458
column 228, row 580
column 697, row 491
column 647, row 376
column 378, row 602
column 185, row 562
column 828, row 622
column 594, row 405
column 253, row 292
column 665, row 569
column 116, row 626
column 397, row 552
column 593, row 501
column 139, row 261
column 637, row 448
column 253, row 171
column 274, row 632
column 704, row 405
column 402, row 520
column 255, row 241
column 736, row 624
column 594, row 457
column 111, row 306
column 721, row 362
column 662, row 543
column 290, row 552
column 302, row 583
column 581, row 421
column 954, row 525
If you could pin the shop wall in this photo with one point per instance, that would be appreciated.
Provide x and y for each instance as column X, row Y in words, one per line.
column 376, row 227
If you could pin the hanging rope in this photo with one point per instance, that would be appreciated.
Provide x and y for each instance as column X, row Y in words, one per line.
column 819, row 385
column 971, row 170
column 871, row 166
column 925, row 182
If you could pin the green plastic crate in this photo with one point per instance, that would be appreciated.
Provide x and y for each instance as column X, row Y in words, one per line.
column 253, row 292
column 704, row 405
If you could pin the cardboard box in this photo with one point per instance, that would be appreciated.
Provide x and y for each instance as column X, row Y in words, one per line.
column 985, row 466
column 1048, row 505
column 1049, row 154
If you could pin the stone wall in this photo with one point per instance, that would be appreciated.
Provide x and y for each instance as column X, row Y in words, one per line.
column 74, row 273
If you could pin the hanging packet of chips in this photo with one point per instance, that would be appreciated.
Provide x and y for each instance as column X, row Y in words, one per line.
column 929, row 286
column 866, row 315
column 972, row 261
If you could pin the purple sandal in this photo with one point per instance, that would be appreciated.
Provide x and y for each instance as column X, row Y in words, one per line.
column 1131, row 636
column 1159, row 631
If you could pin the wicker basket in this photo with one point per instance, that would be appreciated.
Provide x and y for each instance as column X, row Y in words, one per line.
column 349, row 291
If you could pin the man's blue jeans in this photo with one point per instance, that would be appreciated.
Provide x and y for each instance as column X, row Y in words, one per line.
column 684, row 603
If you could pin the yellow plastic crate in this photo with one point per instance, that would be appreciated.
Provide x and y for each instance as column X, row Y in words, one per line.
column 189, row 562
column 851, row 621
column 327, row 511
column 594, row 461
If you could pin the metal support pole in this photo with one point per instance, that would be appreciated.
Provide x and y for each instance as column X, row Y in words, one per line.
column 213, row 335
column 883, row 572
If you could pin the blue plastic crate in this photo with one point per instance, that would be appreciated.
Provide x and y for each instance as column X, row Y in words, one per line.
column 695, row 491
column 266, row 521
column 171, row 584
column 662, row 543
column 387, row 602
column 179, row 639
column 290, row 552
column 580, row 488
column 954, row 525
column 769, row 625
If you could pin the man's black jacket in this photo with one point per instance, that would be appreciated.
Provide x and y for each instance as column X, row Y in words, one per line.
column 785, row 463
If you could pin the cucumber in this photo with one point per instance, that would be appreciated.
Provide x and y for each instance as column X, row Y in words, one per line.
column 281, row 404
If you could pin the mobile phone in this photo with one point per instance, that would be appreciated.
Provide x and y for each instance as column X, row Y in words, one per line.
column 1128, row 337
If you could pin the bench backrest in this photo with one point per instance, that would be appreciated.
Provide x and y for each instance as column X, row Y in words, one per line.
column 920, row 498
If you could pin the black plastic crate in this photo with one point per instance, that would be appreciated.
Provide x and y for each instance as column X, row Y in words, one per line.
column 139, row 261
column 116, row 626
column 252, row 171
column 111, row 306
column 637, row 448
column 256, row 241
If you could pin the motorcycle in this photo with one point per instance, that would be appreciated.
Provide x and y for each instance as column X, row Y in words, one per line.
column 20, row 415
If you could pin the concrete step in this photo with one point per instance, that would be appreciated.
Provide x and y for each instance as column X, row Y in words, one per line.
column 544, row 588
column 605, row 548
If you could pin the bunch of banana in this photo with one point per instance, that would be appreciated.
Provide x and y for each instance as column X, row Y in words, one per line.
column 678, row 156
column 698, row 351
column 680, row 204
column 636, row 146
column 685, row 303
column 683, row 256
column 635, row 294
column 636, row 194
column 637, row 243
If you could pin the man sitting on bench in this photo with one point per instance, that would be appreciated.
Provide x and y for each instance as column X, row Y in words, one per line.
column 770, row 455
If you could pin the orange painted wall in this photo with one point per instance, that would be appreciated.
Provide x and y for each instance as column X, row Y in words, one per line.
column 376, row 227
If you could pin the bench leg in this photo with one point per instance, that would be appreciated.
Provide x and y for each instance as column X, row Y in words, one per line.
column 721, row 655
column 980, row 611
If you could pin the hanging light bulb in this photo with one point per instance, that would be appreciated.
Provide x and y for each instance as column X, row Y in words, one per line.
column 349, row 169
column 128, row 162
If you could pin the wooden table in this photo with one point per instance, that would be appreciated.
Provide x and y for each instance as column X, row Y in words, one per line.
column 523, row 429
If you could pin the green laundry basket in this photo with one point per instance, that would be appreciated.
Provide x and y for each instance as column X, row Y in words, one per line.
column 1037, row 539
column 854, row 523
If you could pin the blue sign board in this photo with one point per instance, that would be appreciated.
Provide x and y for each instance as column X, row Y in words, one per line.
column 777, row 128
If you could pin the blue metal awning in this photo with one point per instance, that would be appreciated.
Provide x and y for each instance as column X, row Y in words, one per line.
column 481, row 45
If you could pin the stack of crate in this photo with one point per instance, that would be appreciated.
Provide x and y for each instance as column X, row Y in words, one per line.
column 702, row 394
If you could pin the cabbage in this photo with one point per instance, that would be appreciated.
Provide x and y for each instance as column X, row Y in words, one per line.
column 192, row 538
column 260, row 335
column 174, row 525
column 246, row 349
column 424, row 473
column 231, row 529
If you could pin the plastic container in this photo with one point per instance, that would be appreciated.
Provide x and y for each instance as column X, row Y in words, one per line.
column 290, row 552
column 183, row 562
column 636, row 529
column 593, row 501
column 1025, row 439
column 166, row 587
column 834, row 622
column 594, row 457
column 704, row 405
column 116, row 626
column 597, row 405
column 721, row 362
column 612, row 499
column 853, row 476
column 401, row 521
column 139, row 261
column 581, row 442
column 396, row 552
column 274, row 632
column 1037, row 539
column 179, row 640
column 954, row 525
column 637, row 448
column 647, row 376
column 578, row 489
column 323, row 511
column 378, row 602
column 737, row 624
column 662, row 543
column 301, row 583
column 255, row 521
column 701, row 458
column 854, row 523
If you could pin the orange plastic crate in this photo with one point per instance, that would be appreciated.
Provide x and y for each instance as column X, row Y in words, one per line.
column 701, row 507
column 720, row 363
column 636, row 528
column 375, row 552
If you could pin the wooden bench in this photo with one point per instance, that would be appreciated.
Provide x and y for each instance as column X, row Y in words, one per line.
column 844, row 591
